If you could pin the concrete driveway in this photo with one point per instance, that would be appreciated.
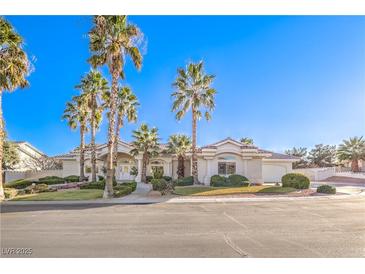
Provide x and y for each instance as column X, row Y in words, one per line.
column 296, row 228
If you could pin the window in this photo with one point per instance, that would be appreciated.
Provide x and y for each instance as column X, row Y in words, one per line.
column 227, row 158
column 226, row 168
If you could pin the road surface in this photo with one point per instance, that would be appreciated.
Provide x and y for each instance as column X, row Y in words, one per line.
column 299, row 228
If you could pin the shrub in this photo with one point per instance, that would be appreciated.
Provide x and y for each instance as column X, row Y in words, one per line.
column 41, row 188
column 186, row 181
column 96, row 185
column 157, row 173
column 72, row 179
column 124, row 189
column 236, row 179
column 326, row 189
column 134, row 171
column 167, row 178
column 162, row 186
column 100, row 177
column 19, row 184
column 233, row 180
column 295, row 180
column 51, row 180
column 149, row 179
column 10, row 193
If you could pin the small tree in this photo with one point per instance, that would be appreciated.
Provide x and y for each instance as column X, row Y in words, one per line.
column 352, row 150
column 146, row 141
column 322, row 156
column 299, row 152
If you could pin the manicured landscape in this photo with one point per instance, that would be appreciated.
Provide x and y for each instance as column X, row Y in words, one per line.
column 212, row 191
column 68, row 195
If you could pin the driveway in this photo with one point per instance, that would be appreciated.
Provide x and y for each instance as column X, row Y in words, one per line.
column 293, row 228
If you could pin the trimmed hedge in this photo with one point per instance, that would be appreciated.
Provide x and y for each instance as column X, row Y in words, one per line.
column 327, row 189
column 167, row 178
column 124, row 189
column 233, row 180
column 19, row 184
column 52, row 180
column 295, row 180
column 186, row 181
column 96, row 185
column 72, row 179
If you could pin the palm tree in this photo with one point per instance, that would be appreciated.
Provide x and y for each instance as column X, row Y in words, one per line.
column 193, row 92
column 76, row 114
column 127, row 104
column 247, row 141
column 112, row 38
column 93, row 85
column 179, row 144
column 14, row 68
column 352, row 150
column 146, row 141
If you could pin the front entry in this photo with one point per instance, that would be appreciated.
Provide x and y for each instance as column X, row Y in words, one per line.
column 124, row 172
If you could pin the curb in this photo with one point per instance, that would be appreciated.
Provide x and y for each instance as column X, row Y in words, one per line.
column 179, row 200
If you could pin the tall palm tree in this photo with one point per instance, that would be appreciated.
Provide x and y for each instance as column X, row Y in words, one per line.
column 179, row 144
column 127, row 104
column 193, row 92
column 352, row 150
column 76, row 114
column 14, row 68
column 146, row 141
column 112, row 39
column 93, row 85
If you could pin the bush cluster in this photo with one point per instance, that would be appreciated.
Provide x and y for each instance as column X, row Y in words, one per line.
column 149, row 179
column 96, row 185
column 52, row 180
column 167, row 178
column 72, row 179
column 186, row 181
column 124, row 189
column 163, row 186
column 326, row 189
column 295, row 180
column 233, row 180
column 19, row 184
column 10, row 193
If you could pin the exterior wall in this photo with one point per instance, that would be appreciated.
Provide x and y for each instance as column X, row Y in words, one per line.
column 272, row 171
column 70, row 167
column 254, row 170
column 11, row 175
column 27, row 158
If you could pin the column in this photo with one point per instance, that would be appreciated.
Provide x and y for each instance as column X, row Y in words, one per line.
column 139, row 167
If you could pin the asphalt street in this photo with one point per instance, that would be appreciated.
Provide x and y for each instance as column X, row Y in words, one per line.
column 296, row 228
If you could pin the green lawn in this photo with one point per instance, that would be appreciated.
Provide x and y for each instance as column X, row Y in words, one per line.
column 82, row 194
column 212, row 191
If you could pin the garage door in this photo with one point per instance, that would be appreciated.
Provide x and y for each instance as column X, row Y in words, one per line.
column 273, row 173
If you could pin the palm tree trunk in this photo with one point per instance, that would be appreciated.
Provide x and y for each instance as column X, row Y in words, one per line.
column 117, row 134
column 2, row 195
column 180, row 167
column 82, row 152
column 108, row 191
column 93, row 148
column 194, row 159
column 144, row 168
column 355, row 165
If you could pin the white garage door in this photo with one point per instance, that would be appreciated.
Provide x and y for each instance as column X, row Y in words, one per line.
column 273, row 173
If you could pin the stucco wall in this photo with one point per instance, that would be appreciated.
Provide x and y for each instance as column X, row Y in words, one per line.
column 31, row 174
column 254, row 170
column 70, row 168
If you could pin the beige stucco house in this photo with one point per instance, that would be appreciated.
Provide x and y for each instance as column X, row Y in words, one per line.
column 225, row 157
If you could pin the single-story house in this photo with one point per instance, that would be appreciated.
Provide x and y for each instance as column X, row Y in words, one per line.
column 225, row 157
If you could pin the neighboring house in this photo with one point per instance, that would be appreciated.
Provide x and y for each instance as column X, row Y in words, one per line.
column 224, row 158
column 347, row 164
column 29, row 156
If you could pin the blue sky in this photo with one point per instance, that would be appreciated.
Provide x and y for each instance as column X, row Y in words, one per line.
column 283, row 80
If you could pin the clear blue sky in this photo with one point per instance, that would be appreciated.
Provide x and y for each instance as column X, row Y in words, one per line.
column 283, row 80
